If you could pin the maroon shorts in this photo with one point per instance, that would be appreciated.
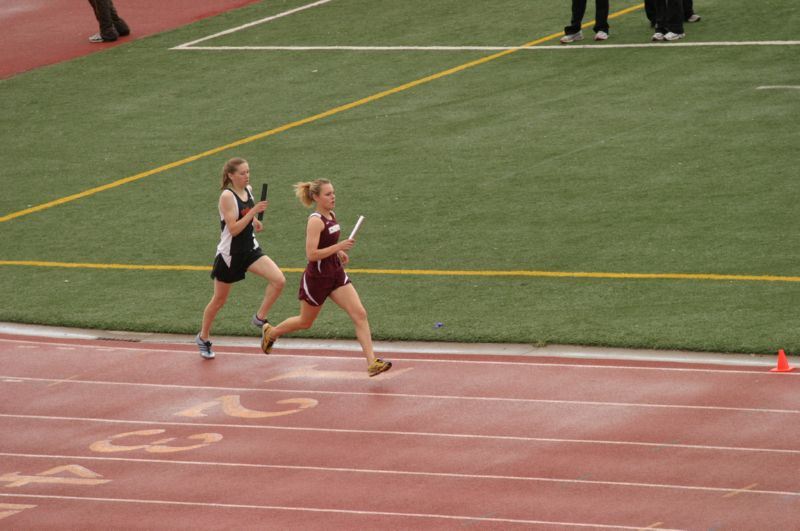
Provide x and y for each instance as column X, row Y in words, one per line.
column 314, row 290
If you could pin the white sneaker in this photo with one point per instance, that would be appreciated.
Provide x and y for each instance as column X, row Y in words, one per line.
column 572, row 37
column 99, row 38
column 601, row 36
column 694, row 18
column 674, row 36
column 657, row 36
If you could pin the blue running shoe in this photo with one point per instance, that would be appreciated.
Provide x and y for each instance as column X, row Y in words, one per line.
column 205, row 348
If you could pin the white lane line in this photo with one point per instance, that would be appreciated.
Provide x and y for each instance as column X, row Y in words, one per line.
column 467, row 436
column 325, row 510
column 148, row 349
column 54, row 381
column 779, row 87
column 186, row 46
column 495, row 477
column 683, row 44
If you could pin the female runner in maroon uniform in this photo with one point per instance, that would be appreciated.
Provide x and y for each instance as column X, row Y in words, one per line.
column 325, row 276
column 238, row 251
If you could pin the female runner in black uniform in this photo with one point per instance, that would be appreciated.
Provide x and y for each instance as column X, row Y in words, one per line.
column 238, row 251
column 325, row 276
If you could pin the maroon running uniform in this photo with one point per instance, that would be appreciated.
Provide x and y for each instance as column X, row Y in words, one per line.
column 322, row 277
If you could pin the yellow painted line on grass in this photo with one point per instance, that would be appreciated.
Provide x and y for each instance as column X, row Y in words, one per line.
column 428, row 272
column 292, row 125
column 78, row 265
column 577, row 274
column 127, row 267
column 614, row 15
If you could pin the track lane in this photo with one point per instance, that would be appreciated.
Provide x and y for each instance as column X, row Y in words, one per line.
column 508, row 440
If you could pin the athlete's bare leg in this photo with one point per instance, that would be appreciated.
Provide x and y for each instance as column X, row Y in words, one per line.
column 266, row 268
column 221, row 291
column 347, row 298
column 308, row 314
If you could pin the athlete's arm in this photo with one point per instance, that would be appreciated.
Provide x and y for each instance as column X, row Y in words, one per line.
column 314, row 228
column 227, row 206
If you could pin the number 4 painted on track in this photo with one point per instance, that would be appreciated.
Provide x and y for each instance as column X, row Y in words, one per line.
column 84, row 476
column 10, row 509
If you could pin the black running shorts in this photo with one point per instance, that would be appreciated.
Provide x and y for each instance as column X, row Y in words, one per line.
column 239, row 264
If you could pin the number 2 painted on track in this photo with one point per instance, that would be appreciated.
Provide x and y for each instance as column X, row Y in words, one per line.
column 232, row 406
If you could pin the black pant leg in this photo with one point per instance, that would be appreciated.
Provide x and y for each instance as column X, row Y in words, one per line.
column 600, row 15
column 102, row 12
column 660, row 7
column 120, row 25
column 650, row 10
column 675, row 16
column 688, row 9
column 578, row 10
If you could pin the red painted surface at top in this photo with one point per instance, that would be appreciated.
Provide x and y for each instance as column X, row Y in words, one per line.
column 35, row 33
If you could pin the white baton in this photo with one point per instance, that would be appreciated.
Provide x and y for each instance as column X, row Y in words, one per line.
column 358, row 226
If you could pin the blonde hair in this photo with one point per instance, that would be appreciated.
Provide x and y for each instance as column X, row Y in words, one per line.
column 306, row 191
column 231, row 166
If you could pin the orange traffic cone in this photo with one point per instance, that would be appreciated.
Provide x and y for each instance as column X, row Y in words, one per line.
column 783, row 363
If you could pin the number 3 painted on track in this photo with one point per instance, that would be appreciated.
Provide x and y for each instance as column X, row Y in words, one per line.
column 157, row 447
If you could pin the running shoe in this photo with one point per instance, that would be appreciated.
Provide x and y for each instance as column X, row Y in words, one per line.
column 657, row 37
column 694, row 18
column 378, row 366
column 205, row 348
column 266, row 340
column 571, row 37
column 259, row 322
column 671, row 36
column 99, row 38
column 601, row 36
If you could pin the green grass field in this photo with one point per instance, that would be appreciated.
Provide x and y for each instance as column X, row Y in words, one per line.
column 528, row 165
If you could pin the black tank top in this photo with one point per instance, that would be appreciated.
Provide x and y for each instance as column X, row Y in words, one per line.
column 245, row 240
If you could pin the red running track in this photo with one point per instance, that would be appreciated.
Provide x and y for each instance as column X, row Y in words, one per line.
column 111, row 434
column 36, row 33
